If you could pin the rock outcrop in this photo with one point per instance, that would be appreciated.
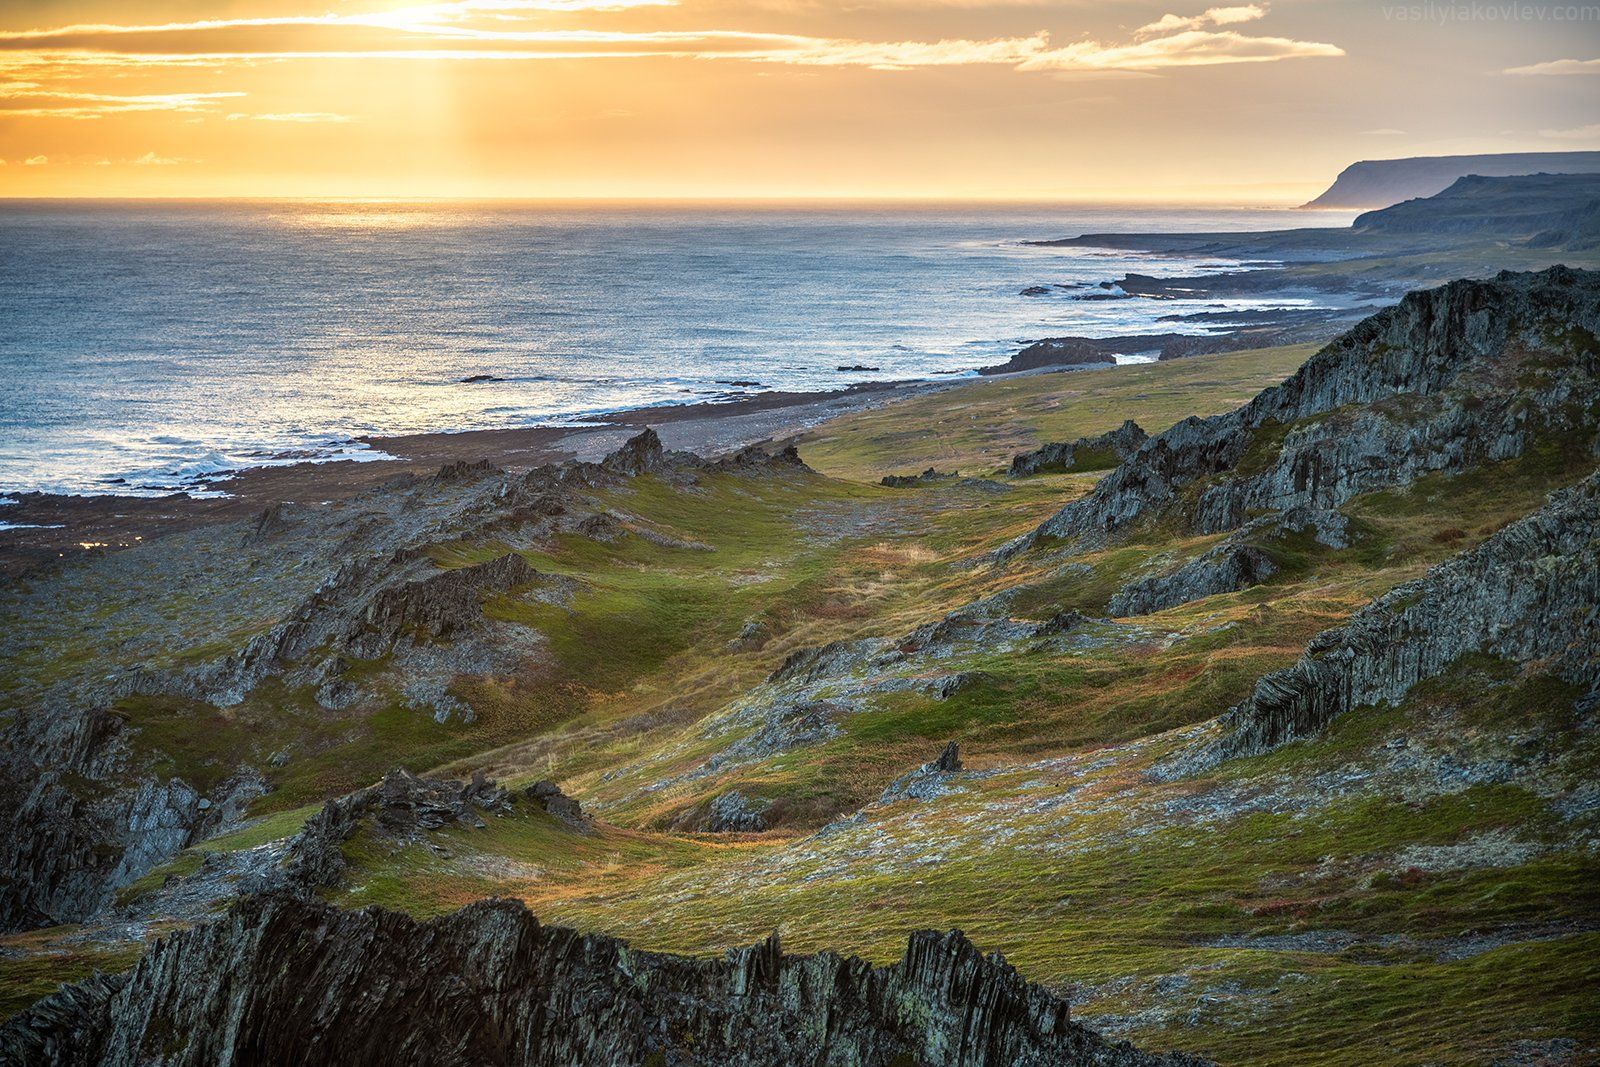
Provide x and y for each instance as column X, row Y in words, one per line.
column 1085, row 454
column 399, row 808
column 1471, row 372
column 914, row 481
column 733, row 812
column 927, row 781
column 283, row 979
column 1530, row 593
column 1224, row 569
column 1242, row 559
column 446, row 602
column 83, row 823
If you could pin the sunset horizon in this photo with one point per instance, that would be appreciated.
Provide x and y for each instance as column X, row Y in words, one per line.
column 709, row 99
column 800, row 533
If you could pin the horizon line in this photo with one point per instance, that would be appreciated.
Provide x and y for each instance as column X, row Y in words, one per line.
column 824, row 198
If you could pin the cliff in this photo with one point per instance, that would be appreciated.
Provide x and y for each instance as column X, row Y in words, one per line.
column 1545, row 210
column 1381, row 182
column 281, row 979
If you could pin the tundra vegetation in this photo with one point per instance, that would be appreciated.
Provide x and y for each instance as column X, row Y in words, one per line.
column 748, row 672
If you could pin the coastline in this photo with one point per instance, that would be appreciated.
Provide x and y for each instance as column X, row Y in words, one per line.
column 46, row 528
column 54, row 527
column 58, row 528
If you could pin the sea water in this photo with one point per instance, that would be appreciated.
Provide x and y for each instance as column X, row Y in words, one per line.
column 145, row 346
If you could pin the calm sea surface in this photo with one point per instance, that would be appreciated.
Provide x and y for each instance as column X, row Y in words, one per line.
column 145, row 345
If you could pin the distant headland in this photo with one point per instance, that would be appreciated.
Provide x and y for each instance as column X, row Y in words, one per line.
column 1375, row 183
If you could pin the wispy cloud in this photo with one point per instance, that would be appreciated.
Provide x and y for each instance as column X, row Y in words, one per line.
column 1194, row 48
column 290, row 116
column 1215, row 16
column 510, row 30
column 1577, row 133
column 28, row 99
column 1032, row 53
column 439, row 18
column 1558, row 66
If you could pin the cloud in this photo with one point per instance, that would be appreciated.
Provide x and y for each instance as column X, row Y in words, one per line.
column 1385, row 131
column 27, row 99
column 1577, row 133
column 1215, row 16
column 500, row 30
column 1195, row 48
column 36, row 161
column 421, row 18
column 1558, row 66
column 290, row 116
column 150, row 159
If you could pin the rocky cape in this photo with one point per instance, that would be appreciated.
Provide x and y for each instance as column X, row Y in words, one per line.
column 1466, row 226
column 1376, row 183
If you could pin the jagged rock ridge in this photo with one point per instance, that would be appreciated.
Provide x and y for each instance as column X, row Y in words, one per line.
column 1530, row 593
column 282, row 979
column 399, row 808
column 1471, row 372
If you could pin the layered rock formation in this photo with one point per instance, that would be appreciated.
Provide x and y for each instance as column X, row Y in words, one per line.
column 1530, row 593
column 1242, row 559
column 1224, row 569
column 282, row 979
column 1086, row 453
column 86, row 820
column 1472, row 372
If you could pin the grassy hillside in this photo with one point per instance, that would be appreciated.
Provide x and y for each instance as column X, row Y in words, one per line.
column 1414, row 886
column 976, row 428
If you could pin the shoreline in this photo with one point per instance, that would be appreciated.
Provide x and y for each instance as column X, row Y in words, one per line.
column 59, row 527
column 54, row 528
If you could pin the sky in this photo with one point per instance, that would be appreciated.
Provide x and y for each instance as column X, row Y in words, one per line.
column 1129, row 100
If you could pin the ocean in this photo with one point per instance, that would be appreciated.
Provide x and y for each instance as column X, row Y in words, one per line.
column 147, row 346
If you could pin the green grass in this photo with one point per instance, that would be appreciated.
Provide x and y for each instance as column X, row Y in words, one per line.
column 1066, row 854
column 977, row 427
column 26, row 978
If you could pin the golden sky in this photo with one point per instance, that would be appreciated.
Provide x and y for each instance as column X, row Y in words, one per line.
column 993, row 99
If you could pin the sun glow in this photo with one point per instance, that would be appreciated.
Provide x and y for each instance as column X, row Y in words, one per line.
column 718, row 98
